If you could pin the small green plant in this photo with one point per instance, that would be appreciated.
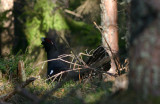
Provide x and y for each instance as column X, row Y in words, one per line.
column 9, row 64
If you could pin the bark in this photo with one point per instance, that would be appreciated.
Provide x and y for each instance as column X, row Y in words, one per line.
column 144, row 76
column 7, row 35
column 21, row 71
column 20, row 40
column 110, row 32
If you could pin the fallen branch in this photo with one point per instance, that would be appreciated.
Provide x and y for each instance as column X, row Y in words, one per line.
column 73, row 13
column 1, row 102
column 26, row 94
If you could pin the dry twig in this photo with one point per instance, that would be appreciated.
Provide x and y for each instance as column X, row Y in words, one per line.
column 114, row 56
column 73, row 13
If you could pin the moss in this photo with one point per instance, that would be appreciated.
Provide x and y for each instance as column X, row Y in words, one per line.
column 39, row 19
column 59, row 22
column 84, row 34
column 31, row 31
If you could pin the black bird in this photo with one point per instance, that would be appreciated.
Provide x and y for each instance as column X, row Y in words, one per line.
column 54, row 66
column 98, row 59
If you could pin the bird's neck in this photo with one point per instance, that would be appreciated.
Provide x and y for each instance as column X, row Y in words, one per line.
column 52, row 54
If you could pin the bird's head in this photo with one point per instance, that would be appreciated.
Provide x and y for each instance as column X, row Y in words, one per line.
column 48, row 44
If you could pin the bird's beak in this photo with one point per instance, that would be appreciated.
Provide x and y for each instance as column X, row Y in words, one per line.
column 42, row 39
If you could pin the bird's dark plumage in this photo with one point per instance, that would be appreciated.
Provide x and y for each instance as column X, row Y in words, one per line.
column 99, row 58
column 54, row 66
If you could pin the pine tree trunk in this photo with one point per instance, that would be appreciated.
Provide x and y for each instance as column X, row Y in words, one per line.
column 144, row 76
column 7, row 33
column 110, row 32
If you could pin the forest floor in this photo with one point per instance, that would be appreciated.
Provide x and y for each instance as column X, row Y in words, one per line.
column 89, row 91
column 98, row 88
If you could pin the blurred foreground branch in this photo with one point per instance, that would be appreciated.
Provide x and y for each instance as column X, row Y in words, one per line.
column 24, row 84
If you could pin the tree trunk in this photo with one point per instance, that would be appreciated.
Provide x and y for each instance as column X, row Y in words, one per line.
column 110, row 32
column 7, row 33
column 144, row 76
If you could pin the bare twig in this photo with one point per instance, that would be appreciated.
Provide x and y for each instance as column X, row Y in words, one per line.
column 62, row 72
column 65, row 41
column 76, row 69
column 79, row 67
column 73, row 13
column 59, row 57
column 69, row 62
column 114, row 56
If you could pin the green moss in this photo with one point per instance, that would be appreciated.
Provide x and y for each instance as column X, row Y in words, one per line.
column 39, row 19
column 59, row 22
column 31, row 31
column 84, row 34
